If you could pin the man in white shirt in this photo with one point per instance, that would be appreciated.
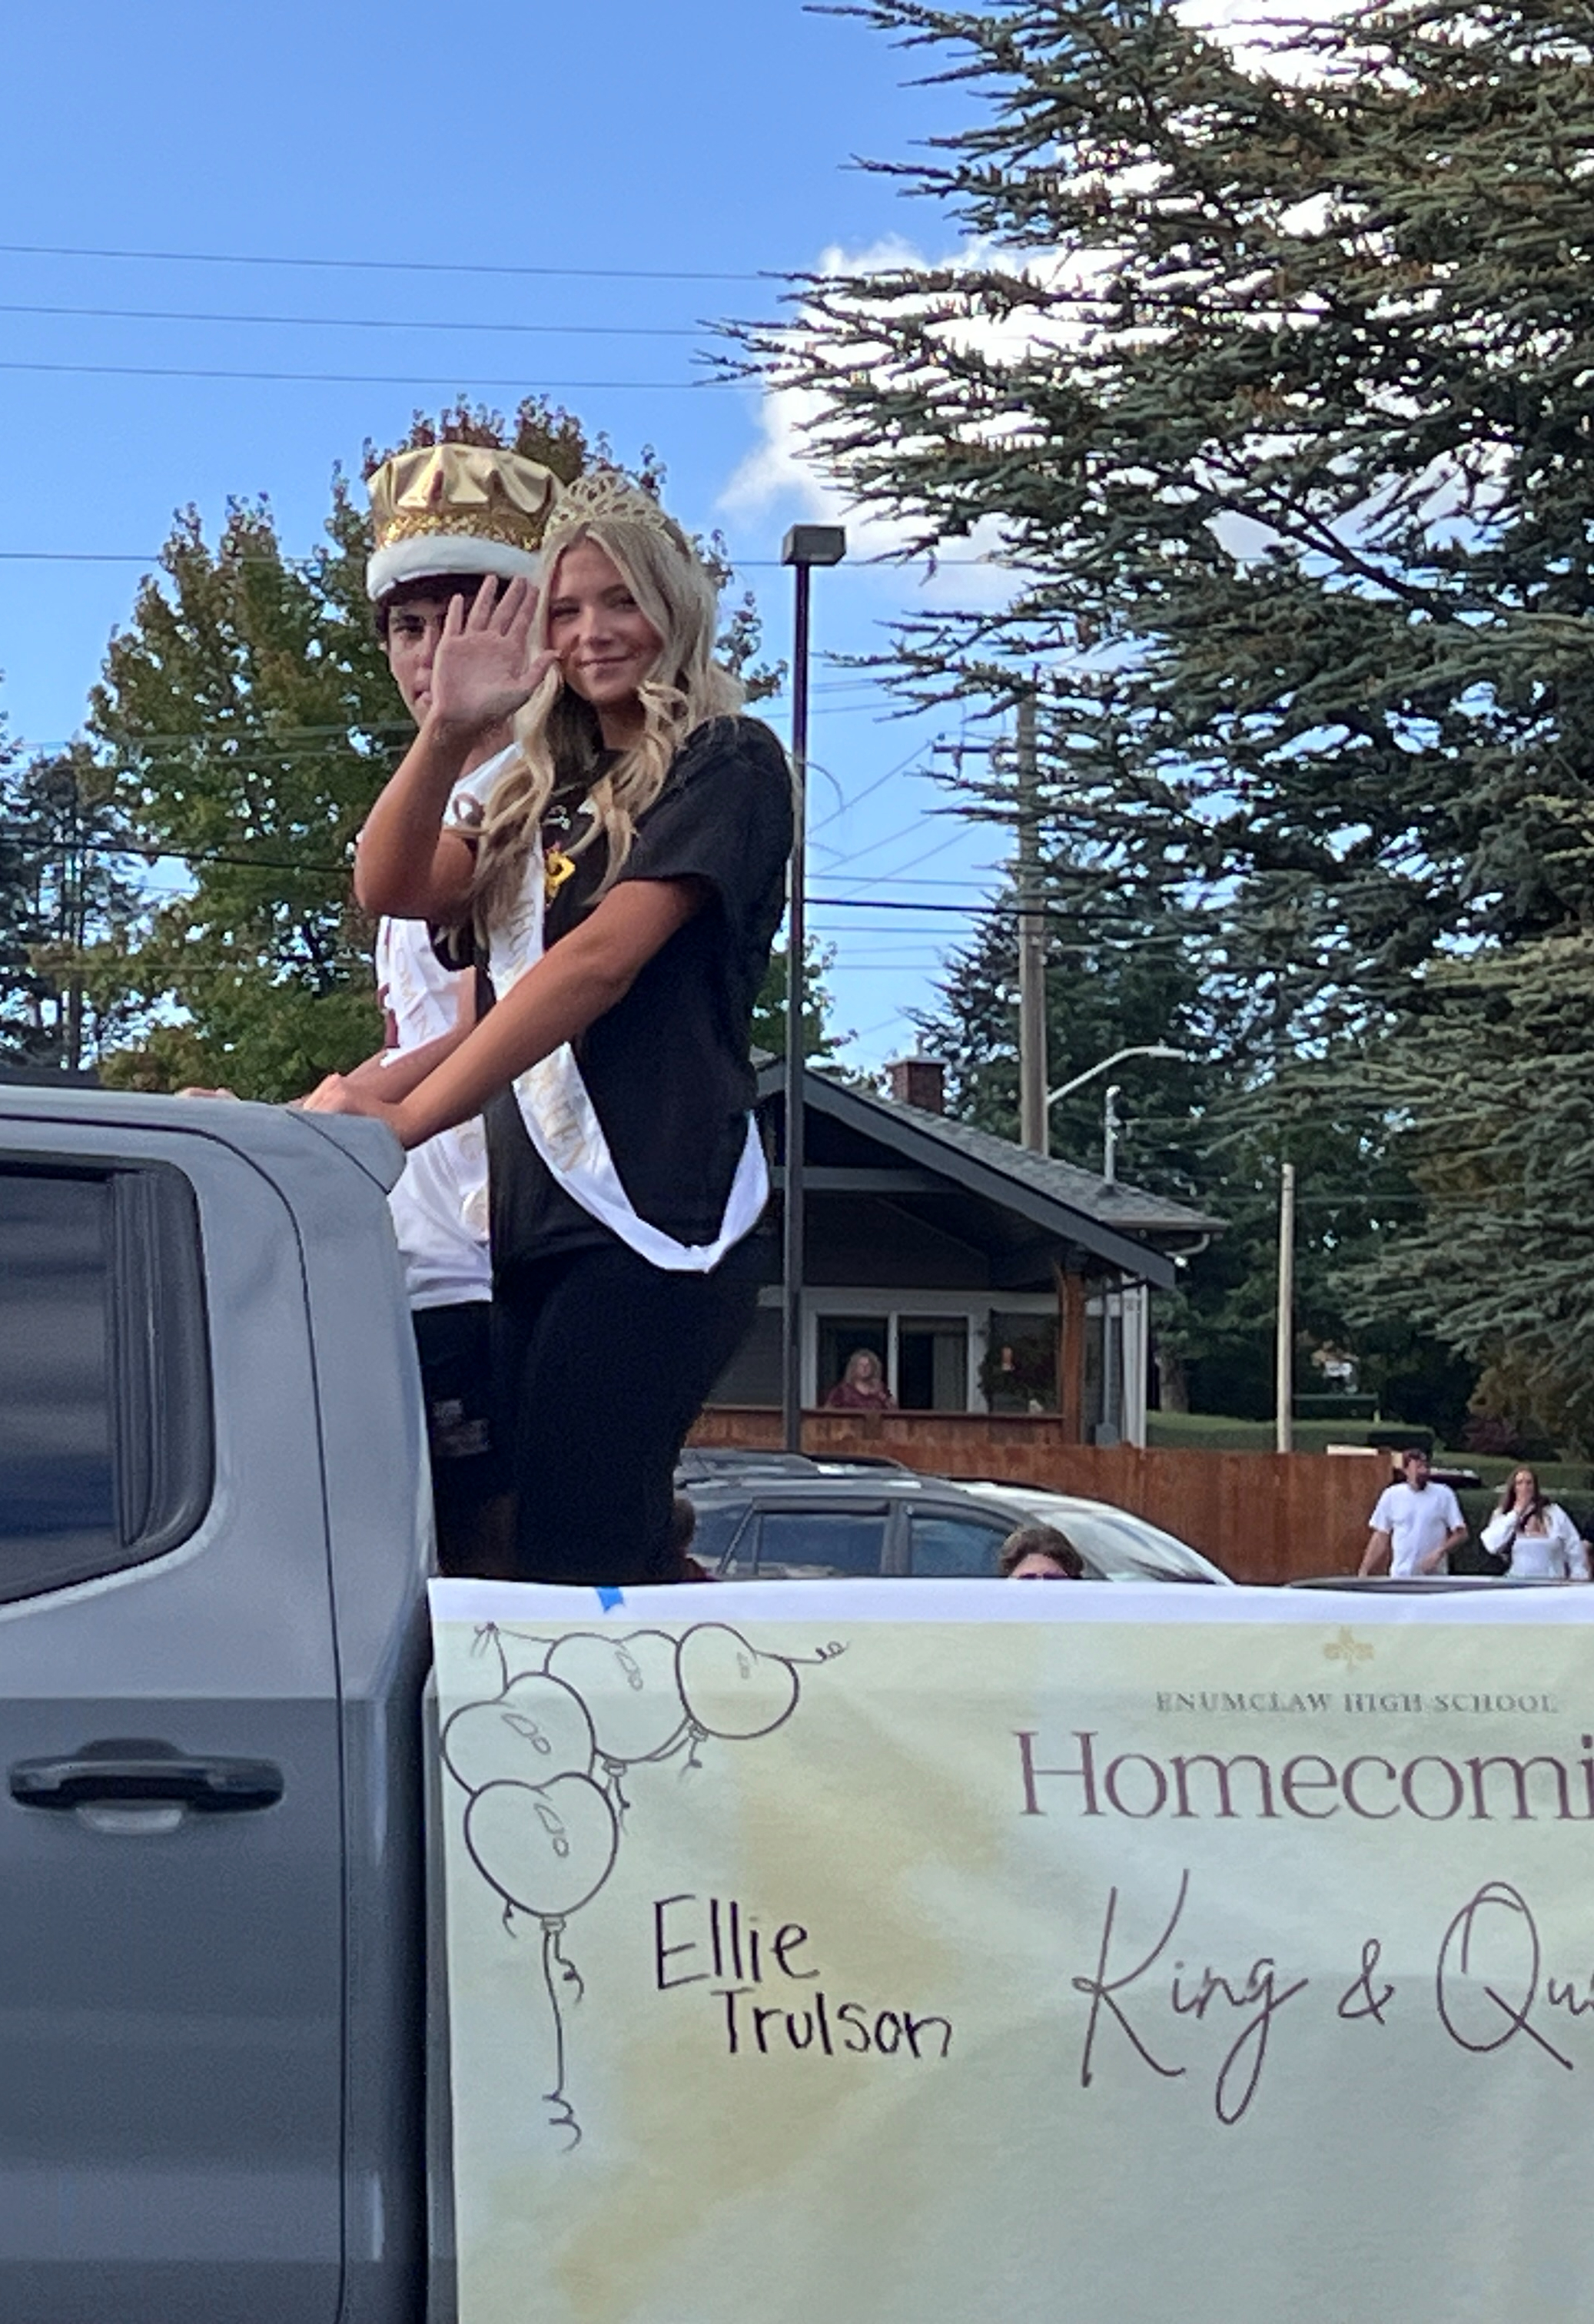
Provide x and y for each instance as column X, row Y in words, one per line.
column 443, row 516
column 1416, row 1525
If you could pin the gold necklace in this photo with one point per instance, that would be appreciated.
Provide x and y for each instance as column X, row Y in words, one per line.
column 558, row 863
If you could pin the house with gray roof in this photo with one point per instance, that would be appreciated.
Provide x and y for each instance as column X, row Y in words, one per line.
column 986, row 1278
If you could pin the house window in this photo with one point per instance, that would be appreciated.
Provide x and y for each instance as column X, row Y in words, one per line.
column 933, row 1363
column 840, row 1339
column 1019, row 1373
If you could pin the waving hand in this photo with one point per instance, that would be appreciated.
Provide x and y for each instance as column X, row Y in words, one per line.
column 485, row 669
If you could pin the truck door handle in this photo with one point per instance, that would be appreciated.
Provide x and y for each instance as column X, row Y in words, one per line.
column 139, row 1774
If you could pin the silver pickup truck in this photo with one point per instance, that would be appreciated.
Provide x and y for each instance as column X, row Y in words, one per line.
column 214, row 1535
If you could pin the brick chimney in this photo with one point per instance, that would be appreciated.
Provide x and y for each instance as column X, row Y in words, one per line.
column 919, row 1081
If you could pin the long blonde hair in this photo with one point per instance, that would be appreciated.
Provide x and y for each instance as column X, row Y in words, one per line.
column 558, row 735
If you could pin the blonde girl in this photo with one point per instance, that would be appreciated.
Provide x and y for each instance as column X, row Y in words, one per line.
column 623, row 890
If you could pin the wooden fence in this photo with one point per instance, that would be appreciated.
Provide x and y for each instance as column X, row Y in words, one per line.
column 1262, row 1516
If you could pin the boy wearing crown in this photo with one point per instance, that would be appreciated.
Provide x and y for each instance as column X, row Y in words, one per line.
column 445, row 517
column 624, row 888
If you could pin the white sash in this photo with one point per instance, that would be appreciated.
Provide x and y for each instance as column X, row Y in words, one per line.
column 562, row 1122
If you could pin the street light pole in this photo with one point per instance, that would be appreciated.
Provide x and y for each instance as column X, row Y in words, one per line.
column 805, row 545
column 1112, row 1347
column 1284, row 1341
column 1110, row 1134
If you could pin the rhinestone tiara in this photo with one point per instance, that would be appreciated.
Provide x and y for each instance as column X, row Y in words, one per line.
column 605, row 496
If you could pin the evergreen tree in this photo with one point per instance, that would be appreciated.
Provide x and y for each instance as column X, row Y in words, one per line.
column 69, row 894
column 1494, row 1083
column 1210, row 1132
column 820, row 1038
column 1273, row 387
column 1267, row 375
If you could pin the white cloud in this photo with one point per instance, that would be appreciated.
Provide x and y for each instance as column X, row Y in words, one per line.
column 782, row 477
column 1261, row 37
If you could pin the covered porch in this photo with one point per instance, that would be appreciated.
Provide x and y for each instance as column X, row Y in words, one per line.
column 986, row 1279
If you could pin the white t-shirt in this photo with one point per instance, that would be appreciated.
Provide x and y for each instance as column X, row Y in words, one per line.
column 1416, row 1523
column 439, row 1205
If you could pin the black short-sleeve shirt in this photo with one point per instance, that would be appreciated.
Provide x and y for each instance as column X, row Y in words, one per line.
column 667, row 1068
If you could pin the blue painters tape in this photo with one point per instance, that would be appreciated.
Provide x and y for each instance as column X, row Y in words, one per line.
column 609, row 1598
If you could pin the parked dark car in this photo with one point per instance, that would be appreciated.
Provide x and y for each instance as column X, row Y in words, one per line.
column 785, row 1516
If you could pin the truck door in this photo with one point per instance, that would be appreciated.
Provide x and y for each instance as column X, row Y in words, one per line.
column 171, row 1854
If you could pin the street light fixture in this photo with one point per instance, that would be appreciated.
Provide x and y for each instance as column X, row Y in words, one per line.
column 804, row 547
column 1110, row 1122
column 1153, row 1049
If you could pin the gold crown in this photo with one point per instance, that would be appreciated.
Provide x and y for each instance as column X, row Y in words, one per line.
column 605, row 496
column 457, row 508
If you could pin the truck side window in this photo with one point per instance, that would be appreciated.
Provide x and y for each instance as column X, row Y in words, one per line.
column 106, row 1433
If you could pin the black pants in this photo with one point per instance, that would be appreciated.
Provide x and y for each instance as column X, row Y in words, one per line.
column 469, row 1471
column 606, row 1366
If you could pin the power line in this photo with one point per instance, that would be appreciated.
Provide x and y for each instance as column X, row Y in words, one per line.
column 869, row 790
column 312, row 867
column 365, row 322
column 739, row 564
column 356, row 378
column 387, row 265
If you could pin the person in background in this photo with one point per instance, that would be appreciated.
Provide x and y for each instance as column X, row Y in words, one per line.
column 861, row 1388
column 444, row 518
column 683, row 1532
column 1039, row 1553
column 1535, row 1533
column 623, row 889
column 1415, row 1524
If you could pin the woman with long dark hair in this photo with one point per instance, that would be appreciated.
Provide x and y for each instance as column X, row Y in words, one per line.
column 622, row 890
column 1535, row 1533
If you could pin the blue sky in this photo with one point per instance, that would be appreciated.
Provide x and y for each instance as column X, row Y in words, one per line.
column 704, row 138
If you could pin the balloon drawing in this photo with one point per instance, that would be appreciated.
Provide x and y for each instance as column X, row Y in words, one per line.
column 630, row 1685
column 535, row 1730
column 539, row 1827
column 548, row 1849
column 729, row 1687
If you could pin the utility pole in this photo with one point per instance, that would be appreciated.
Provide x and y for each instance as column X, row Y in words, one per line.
column 1285, row 1346
column 73, row 919
column 1033, row 1128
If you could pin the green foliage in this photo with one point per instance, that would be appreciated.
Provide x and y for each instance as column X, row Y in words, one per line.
column 1210, row 1132
column 250, row 718
column 820, row 1040
column 1495, row 1080
column 1276, row 396
column 539, row 431
column 68, row 897
column 244, row 721
column 1267, row 376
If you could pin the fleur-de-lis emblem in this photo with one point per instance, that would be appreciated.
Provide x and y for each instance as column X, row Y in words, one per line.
column 1346, row 1647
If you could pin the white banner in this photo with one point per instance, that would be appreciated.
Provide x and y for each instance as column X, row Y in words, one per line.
column 930, row 1954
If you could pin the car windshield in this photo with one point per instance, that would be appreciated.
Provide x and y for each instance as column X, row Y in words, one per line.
column 1130, row 1549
